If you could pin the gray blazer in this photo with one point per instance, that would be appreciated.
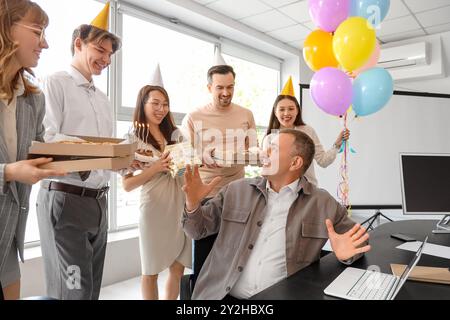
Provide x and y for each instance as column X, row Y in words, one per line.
column 14, row 196
column 236, row 214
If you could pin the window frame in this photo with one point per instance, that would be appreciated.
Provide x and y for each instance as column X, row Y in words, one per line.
column 114, row 75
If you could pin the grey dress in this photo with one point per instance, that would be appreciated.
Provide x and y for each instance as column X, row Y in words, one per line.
column 162, row 239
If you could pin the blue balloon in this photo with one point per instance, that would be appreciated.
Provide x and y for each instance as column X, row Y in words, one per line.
column 372, row 90
column 373, row 10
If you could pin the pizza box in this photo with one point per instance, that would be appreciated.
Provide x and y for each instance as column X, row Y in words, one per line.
column 95, row 147
column 97, row 153
column 76, row 164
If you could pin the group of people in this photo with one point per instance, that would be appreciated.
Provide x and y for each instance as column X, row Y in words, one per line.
column 268, row 227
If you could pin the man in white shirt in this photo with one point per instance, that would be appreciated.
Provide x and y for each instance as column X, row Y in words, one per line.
column 270, row 226
column 71, row 211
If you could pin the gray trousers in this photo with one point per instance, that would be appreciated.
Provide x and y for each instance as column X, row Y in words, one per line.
column 73, row 232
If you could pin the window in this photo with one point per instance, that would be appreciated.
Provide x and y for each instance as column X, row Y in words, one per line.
column 64, row 17
column 256, row 89
column 127, row 202
column 184, row 63
column 32, row 231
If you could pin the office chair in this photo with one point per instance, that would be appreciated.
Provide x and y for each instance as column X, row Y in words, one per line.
column 201, row 249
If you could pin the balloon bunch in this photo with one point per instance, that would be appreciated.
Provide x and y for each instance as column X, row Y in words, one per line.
column 343, row 53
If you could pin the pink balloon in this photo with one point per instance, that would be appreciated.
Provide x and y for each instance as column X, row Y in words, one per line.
column 331, row 90
column 371, row 63
column 329, row 14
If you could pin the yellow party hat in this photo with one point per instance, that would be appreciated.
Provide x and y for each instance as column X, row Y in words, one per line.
column 288, row 89
column 102, row 19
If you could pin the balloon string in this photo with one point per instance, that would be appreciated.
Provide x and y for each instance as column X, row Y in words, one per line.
column 343, row 187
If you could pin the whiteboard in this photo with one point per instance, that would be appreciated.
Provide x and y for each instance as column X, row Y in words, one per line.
column 407, row 124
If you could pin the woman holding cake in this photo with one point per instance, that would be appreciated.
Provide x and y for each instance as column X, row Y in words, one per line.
column 163, row 244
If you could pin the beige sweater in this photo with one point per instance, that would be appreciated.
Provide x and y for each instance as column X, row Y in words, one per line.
column 215, row 128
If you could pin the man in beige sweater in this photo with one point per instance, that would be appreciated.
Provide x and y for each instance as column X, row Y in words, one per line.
column 220, row 128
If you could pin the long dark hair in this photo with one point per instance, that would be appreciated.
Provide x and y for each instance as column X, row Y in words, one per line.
column 274, row 123
column 167, row 125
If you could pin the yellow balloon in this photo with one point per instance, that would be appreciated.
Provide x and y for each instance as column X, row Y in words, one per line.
column 318, row 50
column 353, row 43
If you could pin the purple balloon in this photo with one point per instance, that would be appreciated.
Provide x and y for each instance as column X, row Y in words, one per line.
column 331, row 90
column 329, row 14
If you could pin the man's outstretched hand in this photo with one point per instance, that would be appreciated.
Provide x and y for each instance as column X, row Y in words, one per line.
column 195, row 189
column 348, row 244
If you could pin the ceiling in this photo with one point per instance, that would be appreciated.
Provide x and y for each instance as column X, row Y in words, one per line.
column 289, row 22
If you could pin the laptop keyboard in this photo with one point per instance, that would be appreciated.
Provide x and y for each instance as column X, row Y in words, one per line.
column 372, row 286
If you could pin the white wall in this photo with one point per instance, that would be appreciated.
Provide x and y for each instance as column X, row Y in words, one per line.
column 291, row 67
column 433, row 85
column 407, row 124
column 306, row 73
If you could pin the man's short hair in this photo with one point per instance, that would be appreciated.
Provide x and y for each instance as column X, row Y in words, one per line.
column 220, row 69
column 91, row 34
column 303, row 146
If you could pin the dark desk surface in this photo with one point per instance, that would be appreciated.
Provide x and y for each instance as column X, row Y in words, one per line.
column 310, row 282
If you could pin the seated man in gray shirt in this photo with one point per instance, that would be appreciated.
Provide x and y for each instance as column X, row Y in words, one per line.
column 268, row 227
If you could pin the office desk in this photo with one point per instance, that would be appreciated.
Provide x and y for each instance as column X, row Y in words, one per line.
column 310, row 282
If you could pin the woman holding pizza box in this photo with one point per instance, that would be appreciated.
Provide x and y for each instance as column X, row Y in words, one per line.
column 163, row 244
column 22, row 107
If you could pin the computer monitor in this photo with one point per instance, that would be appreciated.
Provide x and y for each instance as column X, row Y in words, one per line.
column 425, row 180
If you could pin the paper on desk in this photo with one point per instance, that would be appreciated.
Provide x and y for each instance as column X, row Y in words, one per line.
column 423, row 274
column 430, row 249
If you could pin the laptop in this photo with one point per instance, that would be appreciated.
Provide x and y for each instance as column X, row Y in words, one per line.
column 360, row 284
